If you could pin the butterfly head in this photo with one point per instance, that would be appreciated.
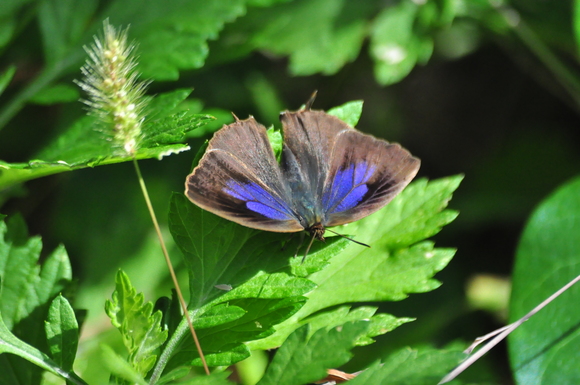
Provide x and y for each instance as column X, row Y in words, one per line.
column 317, row 231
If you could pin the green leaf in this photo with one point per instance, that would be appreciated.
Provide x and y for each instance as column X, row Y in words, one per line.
column 26, row 286
column 98, row 153
column 27, row 290
column 349, row 112
column 218, row 252
column 379, row 323
column 62, row 332
column 139, row 326
column 215, row 378
column 59, row 93
column 8, row 24
column 172, row 128
column 173, row 35
column 9, row 343
column 163, row 105
column 398, row 262
column 305, row 357
column 423, row 366
column 223, row 342
column 395, row 45
column 265, row 3
column 543, row 350
column 265, row 97
column 6, row 77
column 276, row 141
column 62, row 23
column 209, row 242
column 576, row 22
column 120, row 367
column 85, row 144
column 318, row 35
column 418, row 213
column 254, row 264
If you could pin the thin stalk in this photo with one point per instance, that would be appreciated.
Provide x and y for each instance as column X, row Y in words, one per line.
column 170, row 347
column 45, row 78
column 503, row 333
column 561, row 73
column 169, row 266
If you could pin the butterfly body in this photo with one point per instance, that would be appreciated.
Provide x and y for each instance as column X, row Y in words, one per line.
column 329, row 174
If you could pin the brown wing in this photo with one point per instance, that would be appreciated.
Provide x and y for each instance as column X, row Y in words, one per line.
column 239, row 179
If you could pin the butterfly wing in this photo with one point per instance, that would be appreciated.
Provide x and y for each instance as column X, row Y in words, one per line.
column 308, row 138
column 238, row 178
column 365, row 174
column 350, row 174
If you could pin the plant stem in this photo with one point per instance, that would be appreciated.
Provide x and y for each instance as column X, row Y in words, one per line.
column 561, row 73
column 169, row 266
column 46, row 77
column 169, row 349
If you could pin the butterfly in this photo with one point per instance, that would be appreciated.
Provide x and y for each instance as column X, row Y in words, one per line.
column 329, row 174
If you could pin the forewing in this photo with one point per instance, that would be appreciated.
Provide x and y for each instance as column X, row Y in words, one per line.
column 239, row 179
column 365, row 174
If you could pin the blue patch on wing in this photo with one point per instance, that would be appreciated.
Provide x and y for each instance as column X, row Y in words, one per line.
column 348, row 188
column 259, row 200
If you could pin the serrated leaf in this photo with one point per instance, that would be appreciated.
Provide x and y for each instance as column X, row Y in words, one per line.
column 395, row 265
column 62, row 333
column 223, row 342
column 349, row 112
column 173, row 128
column 27, row 288
column 418, row 213
column 9, row 343
column 85, row 144
column 318, row 35
column 304, row 358
column 173, row 35
column 543, row 350
column 139, row 326
column 218, row 251
column 275, row 285
column 218, row 315
column 98, row 154
column 424, row 366
column 165, row 104
column 379, row 323
column 25, row 284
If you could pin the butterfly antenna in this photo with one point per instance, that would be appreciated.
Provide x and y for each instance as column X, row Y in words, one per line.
column 350, row 239
column 235, row 117
column 307, row 249
column 310, row 101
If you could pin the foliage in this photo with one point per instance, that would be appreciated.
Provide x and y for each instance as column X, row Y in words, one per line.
column 247, row 294
column 543, row 351
column 29, row 297
column 273, row 295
